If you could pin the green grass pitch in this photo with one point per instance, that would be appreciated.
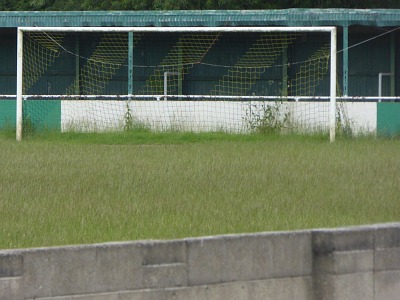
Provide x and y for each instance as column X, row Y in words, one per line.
column 86, row 188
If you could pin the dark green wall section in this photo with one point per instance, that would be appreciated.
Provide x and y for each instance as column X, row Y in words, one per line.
column 43, row 114
column 8, row 65
column 7, row 113
column 366, row 61
column 388, row 119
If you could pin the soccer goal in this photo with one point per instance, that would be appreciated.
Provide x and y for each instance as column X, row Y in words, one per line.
column 234, row 79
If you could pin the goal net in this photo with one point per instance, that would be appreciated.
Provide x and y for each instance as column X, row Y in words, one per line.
column 234, row 79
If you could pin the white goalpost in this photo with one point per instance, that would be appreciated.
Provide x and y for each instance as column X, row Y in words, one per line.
column 178, row 75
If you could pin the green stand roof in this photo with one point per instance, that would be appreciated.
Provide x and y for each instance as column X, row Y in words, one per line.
column 285, row 17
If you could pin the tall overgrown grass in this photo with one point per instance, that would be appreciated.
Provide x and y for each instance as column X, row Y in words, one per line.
column 84, row 188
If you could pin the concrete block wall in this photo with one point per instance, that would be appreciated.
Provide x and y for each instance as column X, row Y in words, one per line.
column 357, row 263
column 347, row 263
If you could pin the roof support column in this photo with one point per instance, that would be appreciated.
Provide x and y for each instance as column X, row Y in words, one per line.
column 180, row 70
column 393, row 64
column 284, row 73
column 77, row 66
column 130, row 63
column 345, row 61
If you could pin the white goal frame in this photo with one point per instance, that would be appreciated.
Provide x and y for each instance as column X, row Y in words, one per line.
column 329, row 29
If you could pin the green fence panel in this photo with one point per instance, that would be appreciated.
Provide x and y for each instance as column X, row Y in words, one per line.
column 7, row 113
column 388, row 119
column 43, row 114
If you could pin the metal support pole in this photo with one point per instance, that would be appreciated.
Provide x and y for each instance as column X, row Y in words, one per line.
column 380, row 76
column 393, row 64
column 345, row 61
column 166, row 74
column 77, row 66
column 130, row 63
column 284, row 73
column 180, row 70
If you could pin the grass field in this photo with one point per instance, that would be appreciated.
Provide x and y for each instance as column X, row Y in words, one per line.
column 85, row 188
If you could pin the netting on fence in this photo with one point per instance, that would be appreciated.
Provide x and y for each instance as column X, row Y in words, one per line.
column 198, row 81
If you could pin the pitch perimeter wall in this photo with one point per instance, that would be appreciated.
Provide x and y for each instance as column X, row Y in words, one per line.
column 363, row 117
column 346, row 263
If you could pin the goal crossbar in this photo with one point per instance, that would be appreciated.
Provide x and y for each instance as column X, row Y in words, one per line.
column 178, row 29
column 328, row 29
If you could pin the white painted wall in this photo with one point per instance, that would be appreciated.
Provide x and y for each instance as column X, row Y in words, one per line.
column 362, row 115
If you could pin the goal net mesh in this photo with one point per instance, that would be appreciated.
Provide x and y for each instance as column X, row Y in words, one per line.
column 195, row 81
